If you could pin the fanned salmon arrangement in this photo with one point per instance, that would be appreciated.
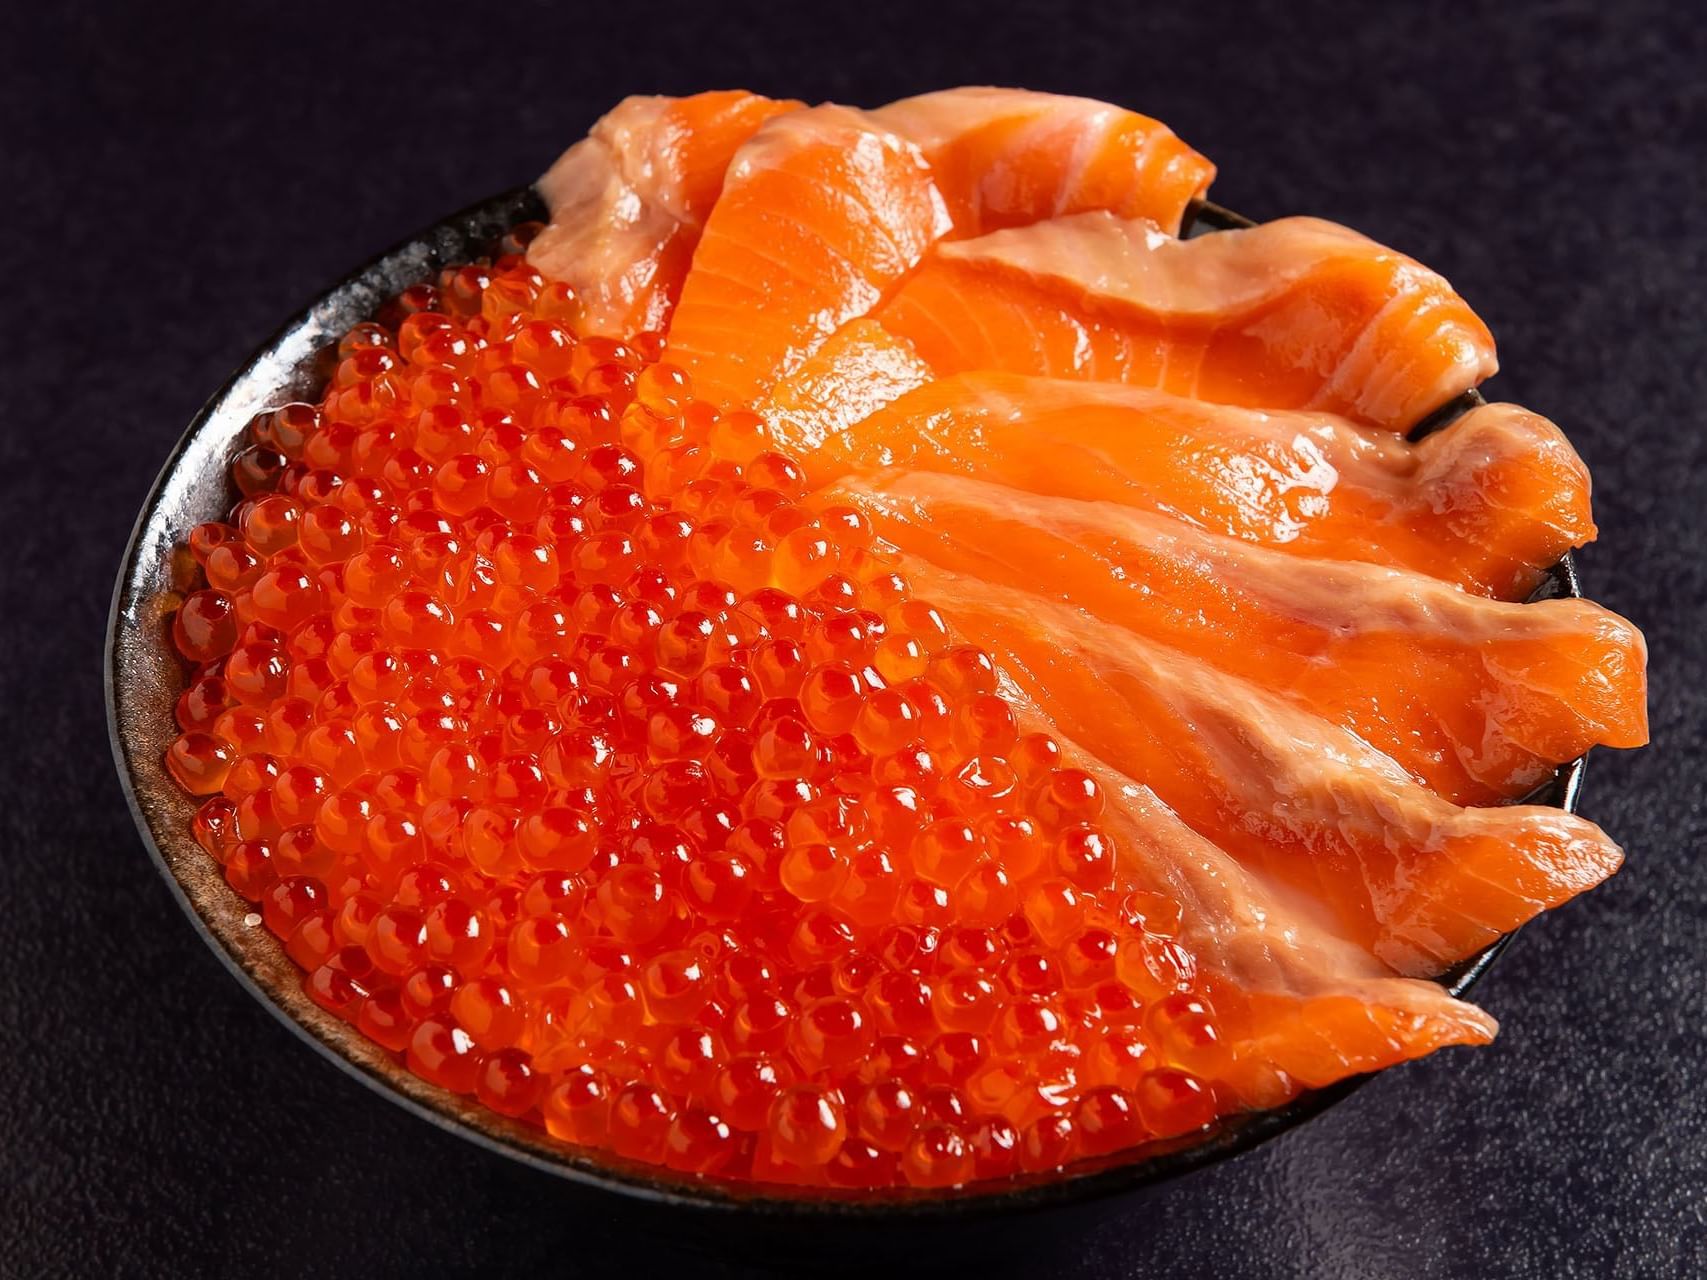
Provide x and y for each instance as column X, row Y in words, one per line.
column 854, row 657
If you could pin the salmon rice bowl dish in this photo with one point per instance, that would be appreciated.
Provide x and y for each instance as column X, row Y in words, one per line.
column 872, row 653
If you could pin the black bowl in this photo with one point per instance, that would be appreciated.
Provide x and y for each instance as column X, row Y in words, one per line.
column 144, row 678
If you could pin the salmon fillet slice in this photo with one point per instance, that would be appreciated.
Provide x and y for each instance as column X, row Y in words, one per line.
column 626, row 203
column 856, row 373
column 1478, row 699
column 1294, row 1000
column 1007, row 157
column 822, row 214
column 1297, row 1003
column 1487, row 503
column 1293, row 314
column 1420, row 882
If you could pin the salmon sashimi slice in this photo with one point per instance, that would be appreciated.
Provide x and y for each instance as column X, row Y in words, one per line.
column 1297, row 1005
column 857, row 372
column 627, row 202
column 1420, row 882
column 1293, row 314
column 1487, row 502
column 1007, row 157
column 822, row 215
column 1478, row 699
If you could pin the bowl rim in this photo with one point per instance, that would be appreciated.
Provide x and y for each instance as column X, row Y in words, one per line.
column 135, row 650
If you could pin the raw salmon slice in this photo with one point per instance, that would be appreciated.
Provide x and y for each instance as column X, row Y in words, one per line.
column 1487, row 503
column 1007, row 157
column 1297, row 1004
column 1478, row 699
column 857, row 372
column 1420, row 882
column 1294, row 314
column 627, row 202
column 821, row 215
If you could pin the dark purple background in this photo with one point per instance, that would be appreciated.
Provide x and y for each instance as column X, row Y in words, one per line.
column 173, row 187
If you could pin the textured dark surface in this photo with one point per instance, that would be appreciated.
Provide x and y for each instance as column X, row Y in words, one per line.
column 174, row 187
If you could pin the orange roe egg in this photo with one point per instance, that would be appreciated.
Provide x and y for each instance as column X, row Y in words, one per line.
column 592, row 771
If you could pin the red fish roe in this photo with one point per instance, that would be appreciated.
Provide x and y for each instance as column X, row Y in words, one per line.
column 590, row 768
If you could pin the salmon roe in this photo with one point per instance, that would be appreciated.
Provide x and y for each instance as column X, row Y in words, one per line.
column 590, row 767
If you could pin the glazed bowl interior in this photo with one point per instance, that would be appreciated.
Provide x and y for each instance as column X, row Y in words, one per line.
column 144, row 678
